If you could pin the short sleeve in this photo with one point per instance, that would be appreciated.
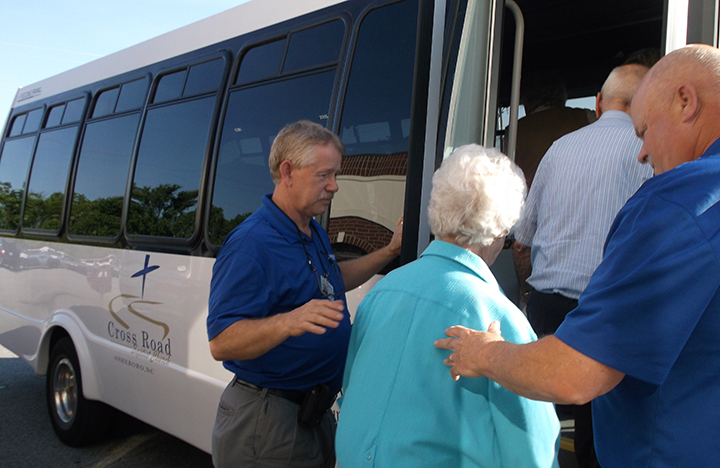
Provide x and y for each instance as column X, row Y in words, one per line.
column 658, row 276
column 239, row 288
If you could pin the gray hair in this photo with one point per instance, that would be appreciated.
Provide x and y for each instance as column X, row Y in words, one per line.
column 295, row 143
column 622, row 83
column 477, row 195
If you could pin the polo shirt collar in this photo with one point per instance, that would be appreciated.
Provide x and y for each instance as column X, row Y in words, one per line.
column 713, row 149
column 281, row 222
column 464, row 257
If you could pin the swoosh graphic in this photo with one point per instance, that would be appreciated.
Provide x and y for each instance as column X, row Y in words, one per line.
column 145, row 317
column 130, row 307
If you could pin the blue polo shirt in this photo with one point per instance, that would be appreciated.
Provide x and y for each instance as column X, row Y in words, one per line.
column 652, row 311
column 262, row 270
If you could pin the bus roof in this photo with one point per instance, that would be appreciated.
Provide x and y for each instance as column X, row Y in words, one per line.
column 242, row 19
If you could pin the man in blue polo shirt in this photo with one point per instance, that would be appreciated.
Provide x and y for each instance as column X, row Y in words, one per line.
column 643, row 341
column 277, row 313
column 580, row 185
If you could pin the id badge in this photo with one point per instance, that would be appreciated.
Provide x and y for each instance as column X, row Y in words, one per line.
column 327, row 288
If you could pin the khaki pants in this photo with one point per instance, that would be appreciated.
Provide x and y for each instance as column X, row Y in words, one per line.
column 254, row 429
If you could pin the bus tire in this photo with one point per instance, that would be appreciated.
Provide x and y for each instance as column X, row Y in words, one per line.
column 76, row 420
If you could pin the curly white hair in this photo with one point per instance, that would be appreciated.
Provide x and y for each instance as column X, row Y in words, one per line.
column 477, row 196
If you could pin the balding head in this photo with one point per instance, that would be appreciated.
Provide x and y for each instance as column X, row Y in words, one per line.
column 676, row 110
column 619, row 88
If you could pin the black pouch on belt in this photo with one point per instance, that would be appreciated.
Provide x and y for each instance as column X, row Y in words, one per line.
column 317, row 401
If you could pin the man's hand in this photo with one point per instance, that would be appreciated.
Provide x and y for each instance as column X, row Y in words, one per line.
column 251, row 338
column 315, row 317
column 468, row 347
column 396, row 242
column 358, row 270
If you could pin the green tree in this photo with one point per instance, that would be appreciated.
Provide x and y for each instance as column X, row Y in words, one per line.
column 164, row 210
column 9, row 206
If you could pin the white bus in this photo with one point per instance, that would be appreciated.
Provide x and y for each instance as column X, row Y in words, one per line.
column 120, row 179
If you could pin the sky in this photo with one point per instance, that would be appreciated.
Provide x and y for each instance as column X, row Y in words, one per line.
column 41, row 38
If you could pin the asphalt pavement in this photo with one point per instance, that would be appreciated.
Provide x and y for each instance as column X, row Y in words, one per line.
column 27, row 439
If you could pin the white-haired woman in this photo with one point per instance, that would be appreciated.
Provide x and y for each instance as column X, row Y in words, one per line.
column 399, row 407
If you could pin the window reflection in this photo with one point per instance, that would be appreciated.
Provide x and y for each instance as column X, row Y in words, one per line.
column 254, row 116
column 102, row 176
column 169, row 168
column 375, row 128
column 14, row 165
column 46, row 189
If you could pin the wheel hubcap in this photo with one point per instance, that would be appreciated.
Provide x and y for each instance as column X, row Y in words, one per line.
column 65, row 391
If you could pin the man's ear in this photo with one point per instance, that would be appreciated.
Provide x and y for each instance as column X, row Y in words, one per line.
column 286, row 173
column 598, row 105
column 688, row 97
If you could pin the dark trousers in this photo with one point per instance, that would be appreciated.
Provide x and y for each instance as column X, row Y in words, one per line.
column 545, row 313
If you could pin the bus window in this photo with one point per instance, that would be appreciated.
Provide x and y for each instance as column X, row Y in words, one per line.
column 55, row 116
column 375, row 128
column 170, row 86
column 105, row 103
column 132, row 95
column 204, row 78
column 168, row 169
column 17, row 125
column 32, row 124
column 102, row 169
column 48, row 178
column 314, row 46
column 14, row 165
column 73, row 111
column 254, row 116
column 261, row 62
column 25, row 123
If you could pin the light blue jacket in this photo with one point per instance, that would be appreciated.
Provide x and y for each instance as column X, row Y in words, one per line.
column 400, row 406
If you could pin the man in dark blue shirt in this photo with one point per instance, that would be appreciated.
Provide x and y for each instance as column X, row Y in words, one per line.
column 278, row 318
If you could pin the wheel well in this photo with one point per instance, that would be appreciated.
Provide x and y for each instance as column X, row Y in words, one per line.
column 51, row 338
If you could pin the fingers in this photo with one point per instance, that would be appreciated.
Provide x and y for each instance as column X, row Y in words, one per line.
column 446, row 343
column 494, row 328
column 316, row 317
column 458, row 331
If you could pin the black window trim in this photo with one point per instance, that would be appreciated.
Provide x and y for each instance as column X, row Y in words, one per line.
column 44, row 233
column 172, row 244
column 338, row 66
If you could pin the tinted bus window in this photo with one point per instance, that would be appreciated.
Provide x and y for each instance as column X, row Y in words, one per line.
column 262, row 62
column 204, row 78
column 14, row 165
column 314, row 46
column 102, row 172
column 170, row 86
column 254, row 116
column 32, row 124
column 105, row 104
column 48, row 177
column 55, row 116
column 73, row 111
column 169, row 168
column 375, row 128
column 132, row 95
column 17, row 125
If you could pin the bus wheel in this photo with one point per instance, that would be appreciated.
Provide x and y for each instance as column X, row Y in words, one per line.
column 76, row 420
